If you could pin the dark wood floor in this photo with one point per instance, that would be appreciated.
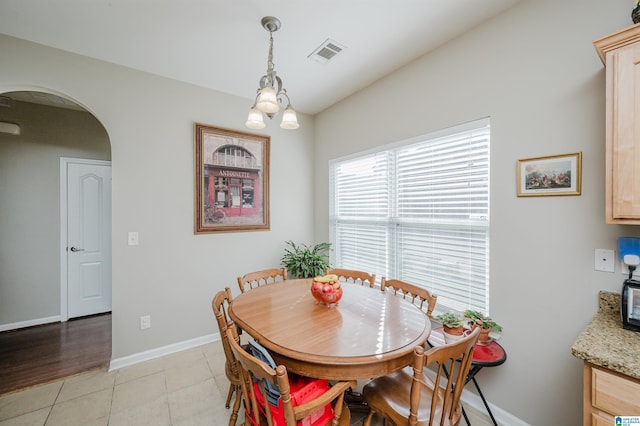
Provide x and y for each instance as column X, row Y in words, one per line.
column 45, row 353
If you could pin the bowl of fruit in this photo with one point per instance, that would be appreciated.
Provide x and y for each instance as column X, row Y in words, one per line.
column 326, row 289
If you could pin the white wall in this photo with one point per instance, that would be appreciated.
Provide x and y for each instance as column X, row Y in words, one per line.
column 173, row 274
column 30, row 204
column 535, row 72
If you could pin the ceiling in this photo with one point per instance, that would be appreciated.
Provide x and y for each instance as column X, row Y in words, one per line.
column 220, row 44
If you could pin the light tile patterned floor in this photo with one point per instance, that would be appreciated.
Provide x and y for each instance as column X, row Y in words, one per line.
column 184, row 389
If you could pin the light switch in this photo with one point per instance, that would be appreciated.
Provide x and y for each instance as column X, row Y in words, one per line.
column 132, row 239
column 605, row 260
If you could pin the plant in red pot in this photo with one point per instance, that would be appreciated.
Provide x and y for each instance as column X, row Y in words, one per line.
column 486, row 324
column 453, row 326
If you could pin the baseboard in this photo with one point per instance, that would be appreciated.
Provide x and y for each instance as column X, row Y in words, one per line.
column 162, row 351
column 470, row 399
column 473, row 401
column 29, row 323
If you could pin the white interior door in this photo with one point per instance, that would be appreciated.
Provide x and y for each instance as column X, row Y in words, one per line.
column 88, row 246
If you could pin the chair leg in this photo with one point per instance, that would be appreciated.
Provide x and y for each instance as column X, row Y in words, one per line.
column 232, row 388
column 367, row 420
column 236, row 406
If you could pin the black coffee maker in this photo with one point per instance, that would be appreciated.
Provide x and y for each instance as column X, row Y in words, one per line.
column 630, row 305
column 629, row 249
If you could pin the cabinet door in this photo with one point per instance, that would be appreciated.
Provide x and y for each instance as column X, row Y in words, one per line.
column 600, row 419
column 623, row 150
column 614, row 394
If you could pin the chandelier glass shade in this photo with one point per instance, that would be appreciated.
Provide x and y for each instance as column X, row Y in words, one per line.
column 271, row 94
column 289, row 119
column 255, row 120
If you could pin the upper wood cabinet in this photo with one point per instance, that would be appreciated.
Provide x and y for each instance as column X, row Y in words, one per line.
column 620, row 53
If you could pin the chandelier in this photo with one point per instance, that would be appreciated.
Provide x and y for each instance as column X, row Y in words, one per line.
column 271, row 94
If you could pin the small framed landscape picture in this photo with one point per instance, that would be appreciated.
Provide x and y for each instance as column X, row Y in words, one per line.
column 552, row 175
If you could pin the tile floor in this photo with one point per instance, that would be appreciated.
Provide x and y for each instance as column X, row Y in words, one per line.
column 186, row 388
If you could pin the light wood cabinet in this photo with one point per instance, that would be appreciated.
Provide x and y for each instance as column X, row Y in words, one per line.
column 608, row 394
column 620, row 52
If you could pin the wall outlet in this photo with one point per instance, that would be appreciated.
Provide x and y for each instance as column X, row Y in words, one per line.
column 604, row 260
column 133, row 238
column 145, row 322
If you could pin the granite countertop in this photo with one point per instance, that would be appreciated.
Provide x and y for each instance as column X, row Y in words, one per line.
column 604, row 342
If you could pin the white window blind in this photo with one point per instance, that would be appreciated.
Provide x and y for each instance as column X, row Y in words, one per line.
column 419, row 212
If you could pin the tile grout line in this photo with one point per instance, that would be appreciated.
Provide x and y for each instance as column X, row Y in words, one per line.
column 113, row 392
column 166, row 389
column 55, row 400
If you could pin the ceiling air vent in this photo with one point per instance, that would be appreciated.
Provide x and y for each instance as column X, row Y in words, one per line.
column 5, row 102
column 326, row 51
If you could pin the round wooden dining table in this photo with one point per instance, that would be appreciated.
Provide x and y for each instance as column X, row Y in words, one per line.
column 368, row 334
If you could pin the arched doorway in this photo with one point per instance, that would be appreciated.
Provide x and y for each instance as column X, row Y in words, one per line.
column 50, row 127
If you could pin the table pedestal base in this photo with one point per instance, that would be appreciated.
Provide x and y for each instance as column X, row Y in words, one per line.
column 355, row 402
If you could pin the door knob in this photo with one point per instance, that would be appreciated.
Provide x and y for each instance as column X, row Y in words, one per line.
column 74, row 249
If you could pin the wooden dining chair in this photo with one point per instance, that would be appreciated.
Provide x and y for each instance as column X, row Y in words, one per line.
column 354, row 276
column 258, row 278
column 419, row 296
column 255, row 370
column 220, row 304
column 412, row 396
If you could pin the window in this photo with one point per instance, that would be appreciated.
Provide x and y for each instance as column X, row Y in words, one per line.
column 418, row 211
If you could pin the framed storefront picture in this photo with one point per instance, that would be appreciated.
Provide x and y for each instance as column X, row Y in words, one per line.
column 231, row 180
column 552, row 175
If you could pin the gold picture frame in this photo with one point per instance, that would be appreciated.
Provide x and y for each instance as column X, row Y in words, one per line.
column 231, row 180
column 551, row 175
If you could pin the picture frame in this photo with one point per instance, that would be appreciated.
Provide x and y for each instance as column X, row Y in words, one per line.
column 231, row 180
column 551, row 175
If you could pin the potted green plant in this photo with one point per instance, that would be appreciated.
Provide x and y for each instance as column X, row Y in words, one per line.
column 303, row 261
column 453, row 326
column 486, row 323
